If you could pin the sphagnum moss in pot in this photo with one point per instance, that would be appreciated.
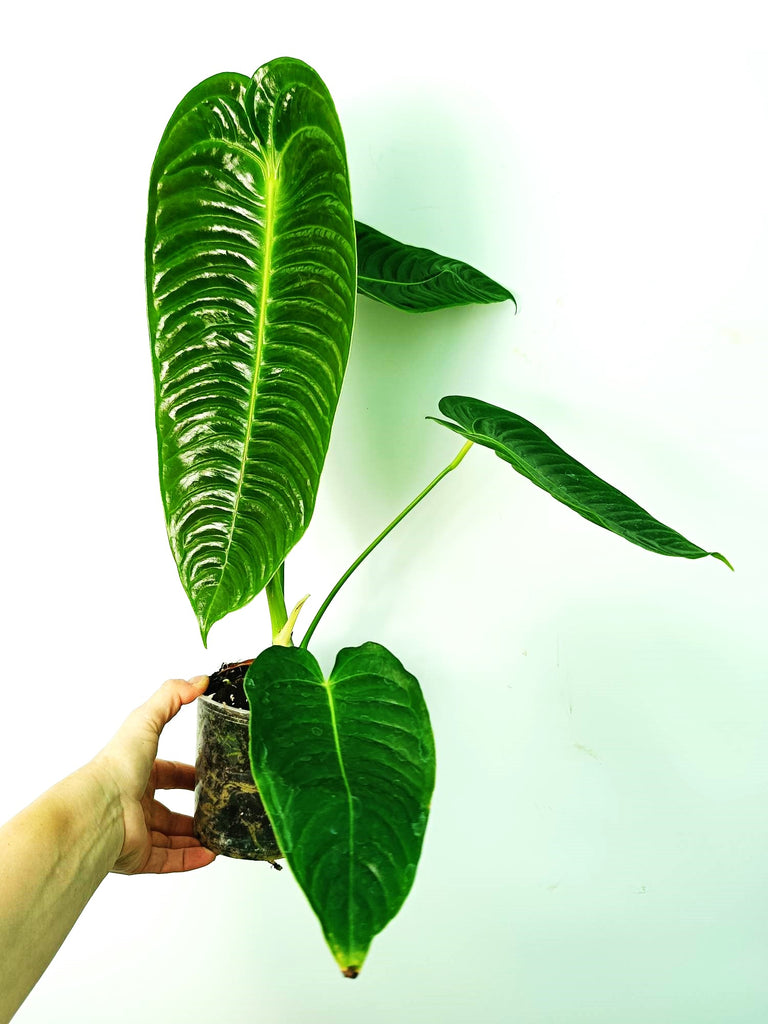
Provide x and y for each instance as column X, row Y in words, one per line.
column 229, row 814
column 253, row 264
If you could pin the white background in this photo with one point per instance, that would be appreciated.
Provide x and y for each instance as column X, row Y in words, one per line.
column 598, row 844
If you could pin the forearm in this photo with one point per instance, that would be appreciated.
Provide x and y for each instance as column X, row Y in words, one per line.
column 53, row 856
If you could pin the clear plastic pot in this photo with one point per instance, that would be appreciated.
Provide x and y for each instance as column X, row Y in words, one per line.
column 229, row 816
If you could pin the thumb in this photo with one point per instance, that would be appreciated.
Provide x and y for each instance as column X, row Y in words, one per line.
column 198, row 685
column 166, row 702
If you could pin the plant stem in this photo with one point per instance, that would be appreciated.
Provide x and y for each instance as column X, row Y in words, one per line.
column 276, row 601
column 324, row 607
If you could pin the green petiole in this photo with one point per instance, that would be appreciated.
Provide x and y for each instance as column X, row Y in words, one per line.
column 324, row 606
column 276, row 601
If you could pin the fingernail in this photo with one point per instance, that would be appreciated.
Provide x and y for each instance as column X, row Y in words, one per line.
column 201, row 681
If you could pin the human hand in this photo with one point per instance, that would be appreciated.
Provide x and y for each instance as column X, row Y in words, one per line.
column 156, row 839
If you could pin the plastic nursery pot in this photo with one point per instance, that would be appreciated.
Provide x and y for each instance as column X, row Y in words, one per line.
column 229, row 816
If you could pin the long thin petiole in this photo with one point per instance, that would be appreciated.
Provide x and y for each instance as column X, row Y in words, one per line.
column 324, row 606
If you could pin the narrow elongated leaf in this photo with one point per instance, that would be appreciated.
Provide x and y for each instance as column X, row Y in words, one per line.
column 418, row 280
column 345, row 766
column 250, row 293
column 531, row 452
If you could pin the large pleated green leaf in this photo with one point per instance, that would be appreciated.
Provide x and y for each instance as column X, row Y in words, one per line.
column 418, row 280
column 250, row 255
column 345, row 766
column 531, row 452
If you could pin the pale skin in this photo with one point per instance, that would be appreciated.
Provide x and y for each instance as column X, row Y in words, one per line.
column 104, row 817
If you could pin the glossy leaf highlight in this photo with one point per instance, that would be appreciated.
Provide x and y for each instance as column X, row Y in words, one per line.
column 536, row 456
column 251, row 272
column 345, row 766
column 418, row 280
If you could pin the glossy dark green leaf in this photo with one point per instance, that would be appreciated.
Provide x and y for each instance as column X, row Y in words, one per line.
column 345, row 766
column 251, row 294
column 418, row 280
column 531, row 452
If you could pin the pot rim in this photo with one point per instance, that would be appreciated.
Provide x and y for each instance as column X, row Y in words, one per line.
column 212, row 706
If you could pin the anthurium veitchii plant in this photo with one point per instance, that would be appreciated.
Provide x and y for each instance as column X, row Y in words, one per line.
column 253, row 263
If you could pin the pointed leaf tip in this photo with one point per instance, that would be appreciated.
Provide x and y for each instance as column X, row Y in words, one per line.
column 722, row 558
column 351, row 972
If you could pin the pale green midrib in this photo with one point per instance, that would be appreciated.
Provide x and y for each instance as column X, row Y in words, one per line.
column 328, row 684
column 270, row 203
column 404, row 284
column 454, row 271
column 459, row 295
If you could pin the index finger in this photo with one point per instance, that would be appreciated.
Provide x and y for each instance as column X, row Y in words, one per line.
column 173, row 775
